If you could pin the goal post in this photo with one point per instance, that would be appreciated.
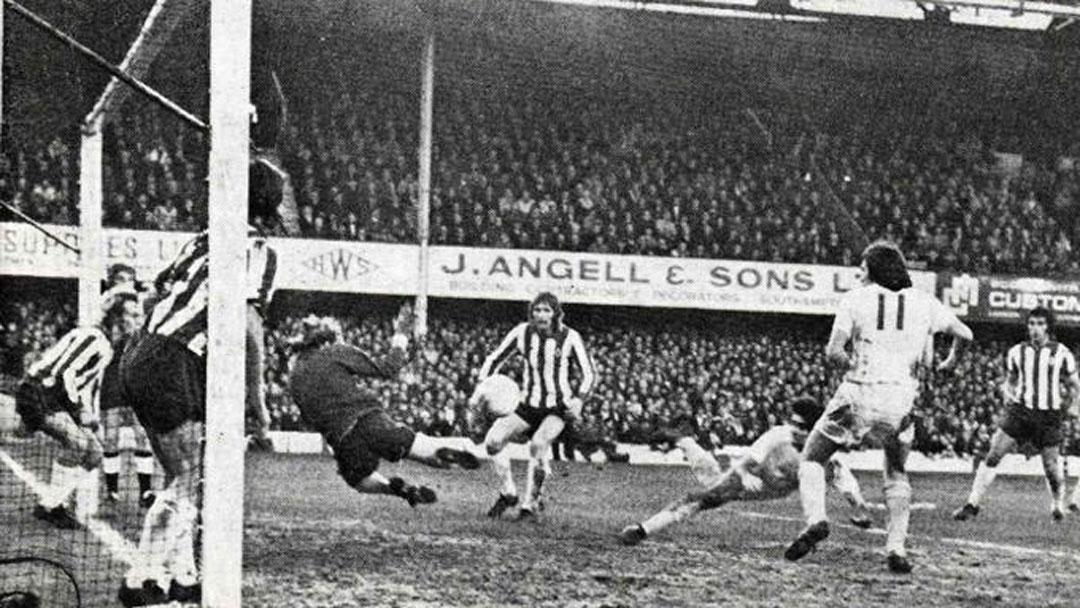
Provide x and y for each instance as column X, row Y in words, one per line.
column 92, row 266
column 223, row 497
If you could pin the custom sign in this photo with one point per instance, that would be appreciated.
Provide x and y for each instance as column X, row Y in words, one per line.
column 1007, row 299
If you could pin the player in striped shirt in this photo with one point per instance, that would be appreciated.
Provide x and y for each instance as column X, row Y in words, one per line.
column 549, row 399
column 163, row 378
column 1038, row 373
column 60, row 397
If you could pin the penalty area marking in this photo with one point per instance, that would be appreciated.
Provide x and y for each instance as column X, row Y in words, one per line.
column 121, row 548
column 960, row 542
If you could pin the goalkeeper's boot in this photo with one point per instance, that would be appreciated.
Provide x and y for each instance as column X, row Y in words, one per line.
column 862, row 521
column 632, row 534
column 149, row 594
column 414, row 495
column 462, row 458
column 59, row 516
column 898, row 563
column 185, row 594
column 966, row 512
column 807, row 541
column 504, row 502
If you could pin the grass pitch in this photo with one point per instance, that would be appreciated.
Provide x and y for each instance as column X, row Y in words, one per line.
column 311, row 541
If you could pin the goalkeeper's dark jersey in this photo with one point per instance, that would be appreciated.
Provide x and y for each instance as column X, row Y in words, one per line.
column 324, row 386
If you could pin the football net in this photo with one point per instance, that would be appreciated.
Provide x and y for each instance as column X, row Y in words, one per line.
column 94, row 162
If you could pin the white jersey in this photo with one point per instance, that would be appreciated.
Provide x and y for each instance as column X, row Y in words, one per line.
column 891, row 332
column 774, row 457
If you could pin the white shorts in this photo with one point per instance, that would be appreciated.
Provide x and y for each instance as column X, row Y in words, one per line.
column 877, row 411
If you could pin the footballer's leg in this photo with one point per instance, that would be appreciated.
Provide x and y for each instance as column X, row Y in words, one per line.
column 500, row 433
column 377, row 437
column 844, row 481
column 165, row 566
column 818, row 450
column 1055, row 480
column 728, row 488
column 110, row 462
column 79, row 455
column 898, row 503
column 144, row 465
column 1000, row 445
column 536, row 472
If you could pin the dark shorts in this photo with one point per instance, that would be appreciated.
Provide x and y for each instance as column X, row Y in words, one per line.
column 164, row 382
column 1042, row 429
column 112, row 396
column 376, row 436
column 533, row 416
column 34, row 403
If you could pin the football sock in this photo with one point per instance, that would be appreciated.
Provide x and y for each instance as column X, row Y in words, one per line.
column 154, row 543
column 181, row 559
column 110, row 465
column 984, row 476
column 672, row 514
column 898, row 502
column 375, row 483
column 144, row 467
column 62, row 483
column 1055, row 482
column 812, row 491
column 501, row 463
column 1076, row 494
column 702, row 464
column 846, row 483
column 530, row 485
column 424, row 447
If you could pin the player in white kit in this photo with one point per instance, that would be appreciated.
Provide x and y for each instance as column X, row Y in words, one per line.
column 890, row 326
column 769, row 470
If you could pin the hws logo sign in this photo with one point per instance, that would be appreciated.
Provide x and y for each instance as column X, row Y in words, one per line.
column 341, row 264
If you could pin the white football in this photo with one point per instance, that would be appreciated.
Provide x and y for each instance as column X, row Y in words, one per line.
column 498, row 394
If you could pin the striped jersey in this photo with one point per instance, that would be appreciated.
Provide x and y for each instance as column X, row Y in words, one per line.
column 548, row 358
column 181, row 312
column 1037, row 371
column 77, row 361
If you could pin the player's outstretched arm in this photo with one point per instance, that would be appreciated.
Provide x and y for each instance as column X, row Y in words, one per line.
column 947, row 323
column 513, row 341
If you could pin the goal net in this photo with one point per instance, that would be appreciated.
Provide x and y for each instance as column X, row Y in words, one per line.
column 98, row 166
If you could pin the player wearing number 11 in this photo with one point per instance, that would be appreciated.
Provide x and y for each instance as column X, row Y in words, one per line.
column 890, row 326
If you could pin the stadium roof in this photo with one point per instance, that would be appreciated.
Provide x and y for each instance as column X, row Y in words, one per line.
column 1008, row 14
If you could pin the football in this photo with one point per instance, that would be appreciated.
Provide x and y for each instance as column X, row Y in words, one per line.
column 498, row 394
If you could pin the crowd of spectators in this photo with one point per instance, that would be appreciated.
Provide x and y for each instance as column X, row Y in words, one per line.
column 27, row 328
column 736, row 380
column 649, row 175
column 735, row 376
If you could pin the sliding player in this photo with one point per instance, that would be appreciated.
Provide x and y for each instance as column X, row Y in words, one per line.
column 548, row 348
column 323, row 383
column 769, row 470
column 1035, row 371
column 59, row 396
column 890, row 326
